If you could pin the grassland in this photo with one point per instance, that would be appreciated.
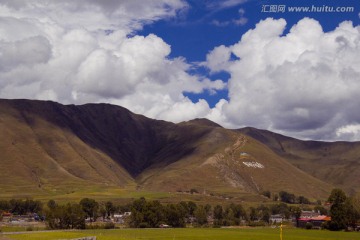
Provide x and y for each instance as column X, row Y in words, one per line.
column 193, row 234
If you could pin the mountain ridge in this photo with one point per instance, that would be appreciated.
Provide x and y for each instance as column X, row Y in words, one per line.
column 63, row 148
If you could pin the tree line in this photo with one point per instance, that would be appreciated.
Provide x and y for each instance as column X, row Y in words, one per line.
column 290, row 198
column 344, row 211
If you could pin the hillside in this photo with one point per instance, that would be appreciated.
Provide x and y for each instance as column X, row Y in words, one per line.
column 337, row 163
column 53, row 150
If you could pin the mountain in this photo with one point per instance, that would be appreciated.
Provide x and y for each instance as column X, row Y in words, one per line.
column 337, row 163
column 66, row 151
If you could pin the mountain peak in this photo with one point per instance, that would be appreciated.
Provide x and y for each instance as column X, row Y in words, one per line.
column 202, row 122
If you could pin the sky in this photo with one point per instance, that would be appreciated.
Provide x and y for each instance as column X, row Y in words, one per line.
column 292, row 67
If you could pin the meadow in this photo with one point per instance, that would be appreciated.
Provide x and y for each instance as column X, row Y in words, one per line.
column 192, row 234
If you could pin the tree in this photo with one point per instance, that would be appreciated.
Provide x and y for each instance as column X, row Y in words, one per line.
column 68, row 216
column 266, row 194
column 253, row 214
column 90, row 207
column 239, row 213
column 282, row 209
column 191, row 207
column 352, row 211
column 218, row 215
column 337, row 199
column 207, row 209
column 200, row 215
column 229, row 217
column 110, row 208
column 153, row 214
column 264, row 213
column 287, row 197
column 321, row 210
column 5, row 205
column 276, row 197
column 175, row 215
column 102, row 211
column 303, row 200
column 296, row 212
column 51, row 204
column 17, row 206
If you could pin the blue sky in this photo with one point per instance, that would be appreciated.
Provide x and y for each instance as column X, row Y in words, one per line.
column 267, row 64
column 195, row 33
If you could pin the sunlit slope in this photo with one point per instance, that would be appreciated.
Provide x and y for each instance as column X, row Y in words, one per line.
column 40, row 157
column 52, row 149
column 228, row 163
column 337, row 163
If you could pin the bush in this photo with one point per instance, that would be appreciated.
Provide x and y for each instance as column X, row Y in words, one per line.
column 193, row 190
column 143, row 225
column 325, row 225
column 308, row 225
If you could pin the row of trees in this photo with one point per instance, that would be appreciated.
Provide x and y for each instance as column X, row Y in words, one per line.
column 20, row 206
column 153, row 214
column 74, row 215
column 344, row 212
column 287, row 197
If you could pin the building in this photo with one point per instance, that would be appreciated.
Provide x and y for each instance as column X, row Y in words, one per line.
column 315, row 221
column 277, row 218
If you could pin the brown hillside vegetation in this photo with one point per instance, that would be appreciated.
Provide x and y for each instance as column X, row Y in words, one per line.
column 337, row 163
column 49, row 149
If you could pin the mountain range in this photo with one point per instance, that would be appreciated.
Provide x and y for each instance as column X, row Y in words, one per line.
column 62, row 151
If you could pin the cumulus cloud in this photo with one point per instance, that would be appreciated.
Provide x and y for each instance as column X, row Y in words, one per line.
column 88, row 51
column 305, row 83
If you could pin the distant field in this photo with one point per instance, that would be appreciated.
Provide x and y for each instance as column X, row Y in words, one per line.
column 193, row 234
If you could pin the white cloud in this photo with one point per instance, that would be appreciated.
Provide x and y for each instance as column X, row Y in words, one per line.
column 242, row 20
column 87, row 51
column 214, row 4
column 218, row 59
column 305, row 83
column 351, row 132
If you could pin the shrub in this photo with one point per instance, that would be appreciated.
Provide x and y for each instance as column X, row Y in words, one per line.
column 143, row 225
column 193, row 190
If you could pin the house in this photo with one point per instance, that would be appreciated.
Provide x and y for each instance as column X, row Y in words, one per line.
column 120, row 218
column 315, row 221
column 277, row 218
column 309, row 214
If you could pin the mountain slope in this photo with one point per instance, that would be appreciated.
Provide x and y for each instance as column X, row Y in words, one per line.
column 229, row 163
column 337, row 163
column 49, row 149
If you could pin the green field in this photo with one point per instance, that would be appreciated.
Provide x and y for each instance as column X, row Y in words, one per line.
column 192, row 234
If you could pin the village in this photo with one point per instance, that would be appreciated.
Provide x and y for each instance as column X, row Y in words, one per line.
column 142, row 213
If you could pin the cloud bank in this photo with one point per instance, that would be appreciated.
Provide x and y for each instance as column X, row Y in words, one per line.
column 304, row 83
column 87, row 51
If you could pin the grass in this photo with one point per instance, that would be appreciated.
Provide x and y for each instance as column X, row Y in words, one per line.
column 193, row 234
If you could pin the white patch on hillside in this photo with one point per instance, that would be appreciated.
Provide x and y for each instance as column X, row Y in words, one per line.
column 253, row 164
